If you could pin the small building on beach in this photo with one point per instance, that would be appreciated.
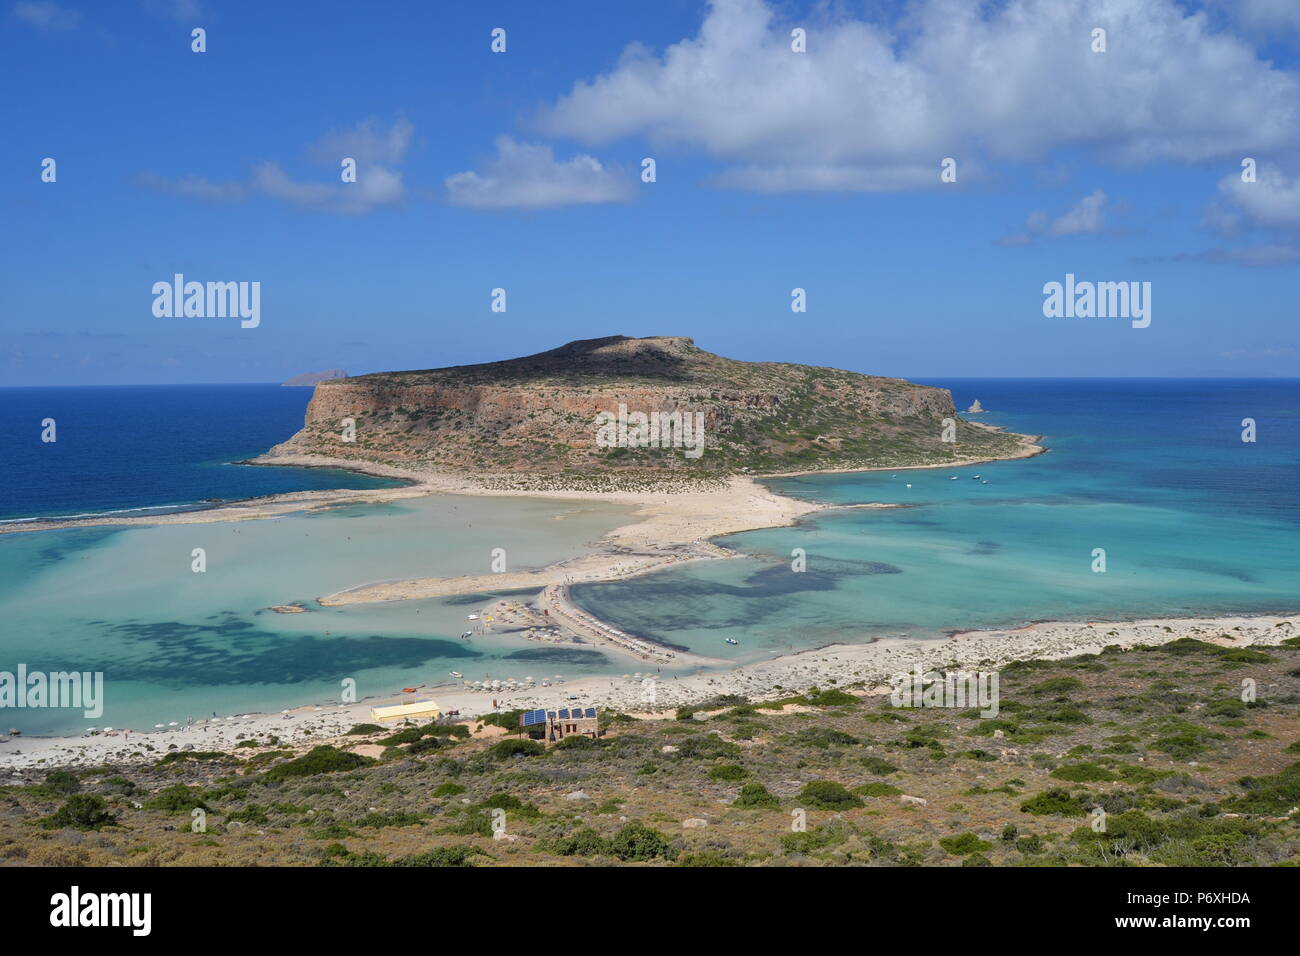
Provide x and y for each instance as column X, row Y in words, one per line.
column 420, row 709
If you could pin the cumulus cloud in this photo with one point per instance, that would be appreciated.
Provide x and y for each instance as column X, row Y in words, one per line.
column 528, row 176
column 375, row 148
column 877, row 106
column 46, row 15
column 1267, row 210
column 1084, row 218
column 195, row 187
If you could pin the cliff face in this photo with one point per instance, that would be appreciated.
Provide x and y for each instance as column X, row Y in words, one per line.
column 538, row 414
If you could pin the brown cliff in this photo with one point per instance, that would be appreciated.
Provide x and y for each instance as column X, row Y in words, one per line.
column 537, row 414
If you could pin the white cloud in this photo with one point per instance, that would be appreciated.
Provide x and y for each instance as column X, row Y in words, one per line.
column 1085, row 218
column 367, row 143
column 375, row 149
column 877, row 106
column 1271, row 202
column 1268, row 208
column 195, row 187
column 375, row 186
column 46, row 15
column 528, row 176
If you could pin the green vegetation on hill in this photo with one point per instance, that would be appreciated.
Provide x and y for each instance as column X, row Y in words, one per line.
column 1146, row 757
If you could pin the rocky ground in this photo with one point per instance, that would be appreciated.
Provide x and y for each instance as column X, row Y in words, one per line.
column 1146, row 756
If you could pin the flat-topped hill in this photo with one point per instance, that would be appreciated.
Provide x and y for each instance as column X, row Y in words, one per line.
column 538, row 414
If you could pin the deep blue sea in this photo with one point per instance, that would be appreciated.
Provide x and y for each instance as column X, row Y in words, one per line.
column 145, row 446
column 1192, row 520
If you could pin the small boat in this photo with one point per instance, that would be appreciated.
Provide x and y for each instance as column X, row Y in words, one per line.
column 409, row 690
column 974, row 477
column 953, row 478
column 466, row 636
column 732, row 640
column 471, row 617
column 984, row 482
column 456, row 674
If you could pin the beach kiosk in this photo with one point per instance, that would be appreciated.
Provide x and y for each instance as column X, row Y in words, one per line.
column 419, row 710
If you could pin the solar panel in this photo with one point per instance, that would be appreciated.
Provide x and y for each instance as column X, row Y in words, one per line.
column 564, row 714
column 533, row 717
column 591, row 711
column 550, row 714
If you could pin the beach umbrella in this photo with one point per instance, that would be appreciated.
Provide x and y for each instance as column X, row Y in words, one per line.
column 107, row 729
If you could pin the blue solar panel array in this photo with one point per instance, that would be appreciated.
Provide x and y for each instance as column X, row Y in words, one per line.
column 532, row 717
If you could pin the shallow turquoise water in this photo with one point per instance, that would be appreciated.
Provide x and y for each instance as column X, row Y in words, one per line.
column 174, row 644
column 1192, row 521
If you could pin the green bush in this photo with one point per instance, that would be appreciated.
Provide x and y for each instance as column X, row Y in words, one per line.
column 1083, row 773
column 877, row 789
column 1055, row 801
column 637, row 842
column 318, row 760
column 878, row 766
column 61, row 782
column 728, row 772
column 81, row 811
column 828, row 795
column 964, row 843
column 505, row 749
column 175, row 799
column 755, row 796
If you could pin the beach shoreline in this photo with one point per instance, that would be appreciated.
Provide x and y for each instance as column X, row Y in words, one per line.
column 864, row 668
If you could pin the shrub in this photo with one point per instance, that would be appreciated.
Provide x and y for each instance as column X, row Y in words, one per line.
column 1055, row 801
column 828, row 795
column 1083, row 773
column 964, row 843
column 637, row 842
column 829, row 698
column 1056, row 685
column 728, row 771
column 755, row 796
column 877, row 789
column 448, row 790
column 361, row 729
column 1274, row 795
column 505, row 749
column 878, row 766
column 81, row 811
column 176, row 798
column 322, row 759
column 62, row 782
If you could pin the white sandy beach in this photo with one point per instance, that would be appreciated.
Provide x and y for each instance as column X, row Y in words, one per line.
column 868, row 665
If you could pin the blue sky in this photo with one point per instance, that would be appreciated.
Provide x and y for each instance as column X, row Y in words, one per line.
column 521, row 170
